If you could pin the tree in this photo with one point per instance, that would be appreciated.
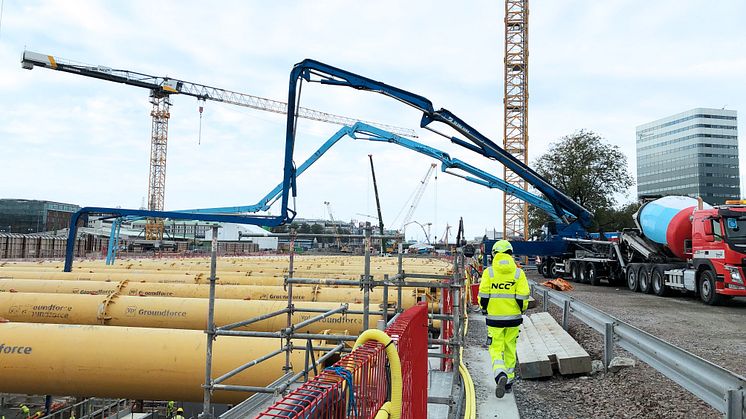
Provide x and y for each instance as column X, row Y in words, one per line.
column 317, row 229
column 304, row 228
column 589, row 171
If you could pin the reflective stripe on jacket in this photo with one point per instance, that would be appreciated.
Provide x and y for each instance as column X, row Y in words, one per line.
column 504, row 292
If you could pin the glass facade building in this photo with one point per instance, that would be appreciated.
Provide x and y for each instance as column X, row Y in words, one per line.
column 693, row 153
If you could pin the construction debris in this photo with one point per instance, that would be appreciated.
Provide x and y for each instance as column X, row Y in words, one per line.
column 558, row 284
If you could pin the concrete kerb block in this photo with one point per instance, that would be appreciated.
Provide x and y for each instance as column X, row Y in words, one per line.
column 620, row 362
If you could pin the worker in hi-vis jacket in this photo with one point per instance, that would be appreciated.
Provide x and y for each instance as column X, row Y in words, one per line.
column 503, row 296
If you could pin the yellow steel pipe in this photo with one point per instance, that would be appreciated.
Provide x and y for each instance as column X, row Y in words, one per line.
column 170, row 313
column 131, row 363
column 160, row 277
column 229, row 292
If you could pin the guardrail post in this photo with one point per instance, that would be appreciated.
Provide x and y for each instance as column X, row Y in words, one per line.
column 545, row 299
column 735, row 404
column 608, row 344
column 565, row 314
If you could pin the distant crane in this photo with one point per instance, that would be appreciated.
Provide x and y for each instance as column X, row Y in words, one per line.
column 334, row 223
column 378, row 203
column 161, row 89
column 444, row 237
column 417, row 197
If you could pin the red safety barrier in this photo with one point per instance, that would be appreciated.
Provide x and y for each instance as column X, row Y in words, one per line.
column 410, row 333
column 327, row 394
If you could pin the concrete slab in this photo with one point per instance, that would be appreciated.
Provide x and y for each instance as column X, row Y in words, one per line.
column 477, row 360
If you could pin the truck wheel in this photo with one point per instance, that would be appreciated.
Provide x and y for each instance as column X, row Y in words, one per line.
column 571, row 269
column 632, row 283
column 576, row 271
column 591, row 273
column 542, row 268
column 707, row 288
column 643, row 277
column 554, row 270
column 657, row 279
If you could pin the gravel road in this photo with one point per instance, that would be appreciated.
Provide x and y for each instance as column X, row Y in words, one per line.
column 715, row 333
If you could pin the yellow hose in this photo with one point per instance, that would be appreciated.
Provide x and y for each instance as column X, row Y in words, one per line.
column 470, row 409
column 395, row 365
column 384, row 412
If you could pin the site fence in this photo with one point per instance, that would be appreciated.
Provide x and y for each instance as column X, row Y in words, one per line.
column 718, row 387
column 356, row 386
column 33, row 246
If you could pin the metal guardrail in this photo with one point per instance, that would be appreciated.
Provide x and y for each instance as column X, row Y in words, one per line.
column 716, row 386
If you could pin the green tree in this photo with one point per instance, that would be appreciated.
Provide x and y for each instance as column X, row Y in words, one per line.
column 304, row 228
column 317, row 229
column 588, row 170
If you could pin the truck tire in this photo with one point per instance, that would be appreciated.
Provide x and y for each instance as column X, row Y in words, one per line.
column 591, row 273
column 576, row 272
column 553, row 270
column 632, row 283
column 571, row 269
column 707, row 288
column 658, row 281
column 543, row 269
column 643, row 277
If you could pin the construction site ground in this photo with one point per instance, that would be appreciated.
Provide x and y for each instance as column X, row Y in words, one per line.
column 714, row 333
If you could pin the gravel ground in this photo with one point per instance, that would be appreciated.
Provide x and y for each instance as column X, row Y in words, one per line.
column 715, row 333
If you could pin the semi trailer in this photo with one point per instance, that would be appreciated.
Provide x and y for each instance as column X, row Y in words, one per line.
column 679, row 243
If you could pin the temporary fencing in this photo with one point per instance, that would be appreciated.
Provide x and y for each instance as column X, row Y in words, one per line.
column 357, row 386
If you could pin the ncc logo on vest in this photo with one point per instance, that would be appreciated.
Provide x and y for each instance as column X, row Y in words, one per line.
column 503, row 285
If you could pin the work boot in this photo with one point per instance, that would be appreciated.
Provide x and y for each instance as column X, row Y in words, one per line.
column 500, row 388
column 509, row 388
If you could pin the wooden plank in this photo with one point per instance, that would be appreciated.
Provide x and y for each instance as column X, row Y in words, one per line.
column 533, row 360
column 571, row 357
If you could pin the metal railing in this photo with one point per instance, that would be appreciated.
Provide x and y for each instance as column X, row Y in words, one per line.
column 724, row 390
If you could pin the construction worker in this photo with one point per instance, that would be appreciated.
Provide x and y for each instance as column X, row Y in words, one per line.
column 170, row 407
column 179, row 414
column 25, row 411
column 503, row 296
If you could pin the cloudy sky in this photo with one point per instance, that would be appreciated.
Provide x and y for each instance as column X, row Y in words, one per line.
column 603, row 66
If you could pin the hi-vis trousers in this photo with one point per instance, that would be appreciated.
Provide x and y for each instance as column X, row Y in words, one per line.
column 502, row 350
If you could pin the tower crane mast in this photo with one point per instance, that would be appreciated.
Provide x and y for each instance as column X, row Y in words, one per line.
column 515, row 104
column 161, row 89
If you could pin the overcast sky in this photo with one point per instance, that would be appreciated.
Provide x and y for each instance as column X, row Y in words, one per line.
column 605, row 66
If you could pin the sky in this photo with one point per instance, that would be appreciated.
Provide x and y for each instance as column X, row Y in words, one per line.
column 601, row 66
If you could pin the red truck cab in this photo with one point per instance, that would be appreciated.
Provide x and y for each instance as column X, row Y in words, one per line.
column 718, row 250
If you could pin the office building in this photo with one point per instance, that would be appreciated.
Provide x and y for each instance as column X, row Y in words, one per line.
column 30, row 216
column 693, row 153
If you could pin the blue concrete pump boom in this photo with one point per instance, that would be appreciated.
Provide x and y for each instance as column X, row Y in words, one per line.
column 315, row 71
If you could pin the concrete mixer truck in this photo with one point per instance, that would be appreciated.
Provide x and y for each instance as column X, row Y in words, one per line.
column 680, row 243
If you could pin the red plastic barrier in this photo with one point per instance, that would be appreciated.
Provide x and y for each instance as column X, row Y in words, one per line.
column 326, row 396
column 410, row 333
column 474, row 294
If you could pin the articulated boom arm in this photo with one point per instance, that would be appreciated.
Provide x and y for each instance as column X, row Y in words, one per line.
column 314, row 71
column 363, row 131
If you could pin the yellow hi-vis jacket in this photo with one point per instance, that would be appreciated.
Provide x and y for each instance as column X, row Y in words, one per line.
column 504, row 292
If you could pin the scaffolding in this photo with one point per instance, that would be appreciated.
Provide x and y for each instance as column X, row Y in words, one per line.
column 451, row 316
